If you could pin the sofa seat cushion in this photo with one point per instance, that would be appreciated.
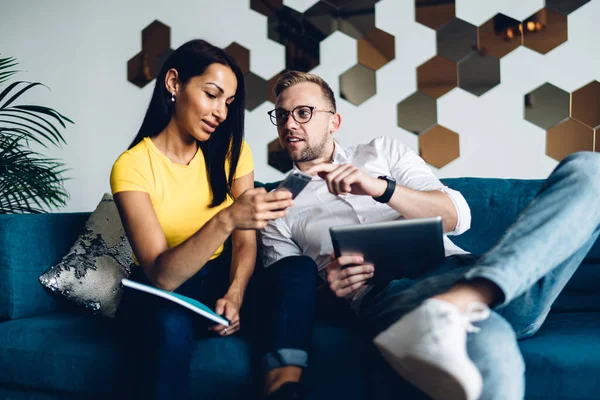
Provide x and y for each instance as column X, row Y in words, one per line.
column 79, row 354
column 563, row 358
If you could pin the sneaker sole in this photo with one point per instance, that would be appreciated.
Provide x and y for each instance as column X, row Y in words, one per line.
column 435, row 382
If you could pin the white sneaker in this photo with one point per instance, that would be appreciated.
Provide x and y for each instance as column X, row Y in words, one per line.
column 428, row 347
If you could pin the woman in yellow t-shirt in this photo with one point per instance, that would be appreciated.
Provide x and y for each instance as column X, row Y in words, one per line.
column 183, row 188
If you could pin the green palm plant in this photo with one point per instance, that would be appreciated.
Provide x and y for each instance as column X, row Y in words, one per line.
column 29, row 182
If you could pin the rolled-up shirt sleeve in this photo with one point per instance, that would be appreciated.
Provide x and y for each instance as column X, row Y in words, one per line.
column 411, row 171
column 276, row 243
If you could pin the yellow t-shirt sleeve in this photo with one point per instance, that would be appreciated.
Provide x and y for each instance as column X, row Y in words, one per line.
column 129, row 174
column 245, row 163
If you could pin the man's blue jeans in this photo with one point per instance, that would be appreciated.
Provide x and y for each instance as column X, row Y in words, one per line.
column 530, row 264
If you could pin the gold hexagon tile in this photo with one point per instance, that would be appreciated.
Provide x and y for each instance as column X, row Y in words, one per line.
column 499, row 35
column 156, row 47
column 585, row 104
column 597, row 140
column 439, row 146
column 568, row 137
column 241, row 55
column 271, row 85
column 437, row 76
column 544, row 30
column 278, row 158
column 434, row 14
column 376, row 49
column 358, row 84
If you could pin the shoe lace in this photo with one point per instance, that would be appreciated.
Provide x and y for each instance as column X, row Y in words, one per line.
column 475, row 312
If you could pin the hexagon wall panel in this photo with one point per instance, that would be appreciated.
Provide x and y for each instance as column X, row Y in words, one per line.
column 499, row 36
column 266, row 7
column 545, row 30
column 357, row 84
column 300, row 38
column 478, row 73
column 376, row 49
column 434, row 14
column 438, row 146
column 278, row 158
column 547, row 106
column 156, row 47
column 565, row 6
column 417, row 113
column 437, row 76
column 456, row 40
column 256, row 90
column 356, row 18
column 568, row 137
column 241, row 55
column 585, row 106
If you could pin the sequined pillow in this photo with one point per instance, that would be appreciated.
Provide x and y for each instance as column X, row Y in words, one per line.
column 90, row 274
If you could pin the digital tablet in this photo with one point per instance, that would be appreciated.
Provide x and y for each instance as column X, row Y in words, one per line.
column 405, row 248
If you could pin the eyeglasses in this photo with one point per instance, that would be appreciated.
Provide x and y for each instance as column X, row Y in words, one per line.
column 301, row 114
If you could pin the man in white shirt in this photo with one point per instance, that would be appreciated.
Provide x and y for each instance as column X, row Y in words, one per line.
column 421, row 325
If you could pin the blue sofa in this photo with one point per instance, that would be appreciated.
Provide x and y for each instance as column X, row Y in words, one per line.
column 51, row 350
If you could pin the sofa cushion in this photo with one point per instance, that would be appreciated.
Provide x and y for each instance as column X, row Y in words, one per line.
column 563, row 358
column 79, row 353
column 29, row 244
column 90, row 273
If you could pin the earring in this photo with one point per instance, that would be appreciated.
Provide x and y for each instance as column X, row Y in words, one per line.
column 173, row 97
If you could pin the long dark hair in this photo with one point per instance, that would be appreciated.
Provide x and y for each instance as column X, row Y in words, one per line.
column 192, row 59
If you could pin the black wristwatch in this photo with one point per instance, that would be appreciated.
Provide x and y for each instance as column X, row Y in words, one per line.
column 389, row 191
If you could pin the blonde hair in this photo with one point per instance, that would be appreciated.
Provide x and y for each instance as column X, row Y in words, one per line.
column 291, row 78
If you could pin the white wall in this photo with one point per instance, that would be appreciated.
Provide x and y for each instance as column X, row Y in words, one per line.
column 79, row 49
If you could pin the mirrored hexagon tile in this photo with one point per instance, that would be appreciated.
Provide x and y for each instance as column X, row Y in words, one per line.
column 278, row 158
column 358, row 84
column 156, row 47
column 256, row 90
column 568, row 137
column 437, row 76
column 499, row 35
column 456, row 40
column 376, row 49
column 266, row 7
column 585, row 106
column 271, row 85
column 301, row 40
column 241, row 55
column 478, row 73
column 434, row 14
column 545, row 30
column 547, row 106
column 438, row 146
column 417, row 113
column 356, row 18
column 323, row 17
column 565, row 6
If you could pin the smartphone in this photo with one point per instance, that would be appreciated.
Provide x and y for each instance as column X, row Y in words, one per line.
column 295, row 182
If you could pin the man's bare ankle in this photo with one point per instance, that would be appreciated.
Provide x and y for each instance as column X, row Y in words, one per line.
column 278, row 376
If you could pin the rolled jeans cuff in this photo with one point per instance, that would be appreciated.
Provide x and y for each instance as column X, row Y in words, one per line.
column 499, row 278
column 284, row 357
